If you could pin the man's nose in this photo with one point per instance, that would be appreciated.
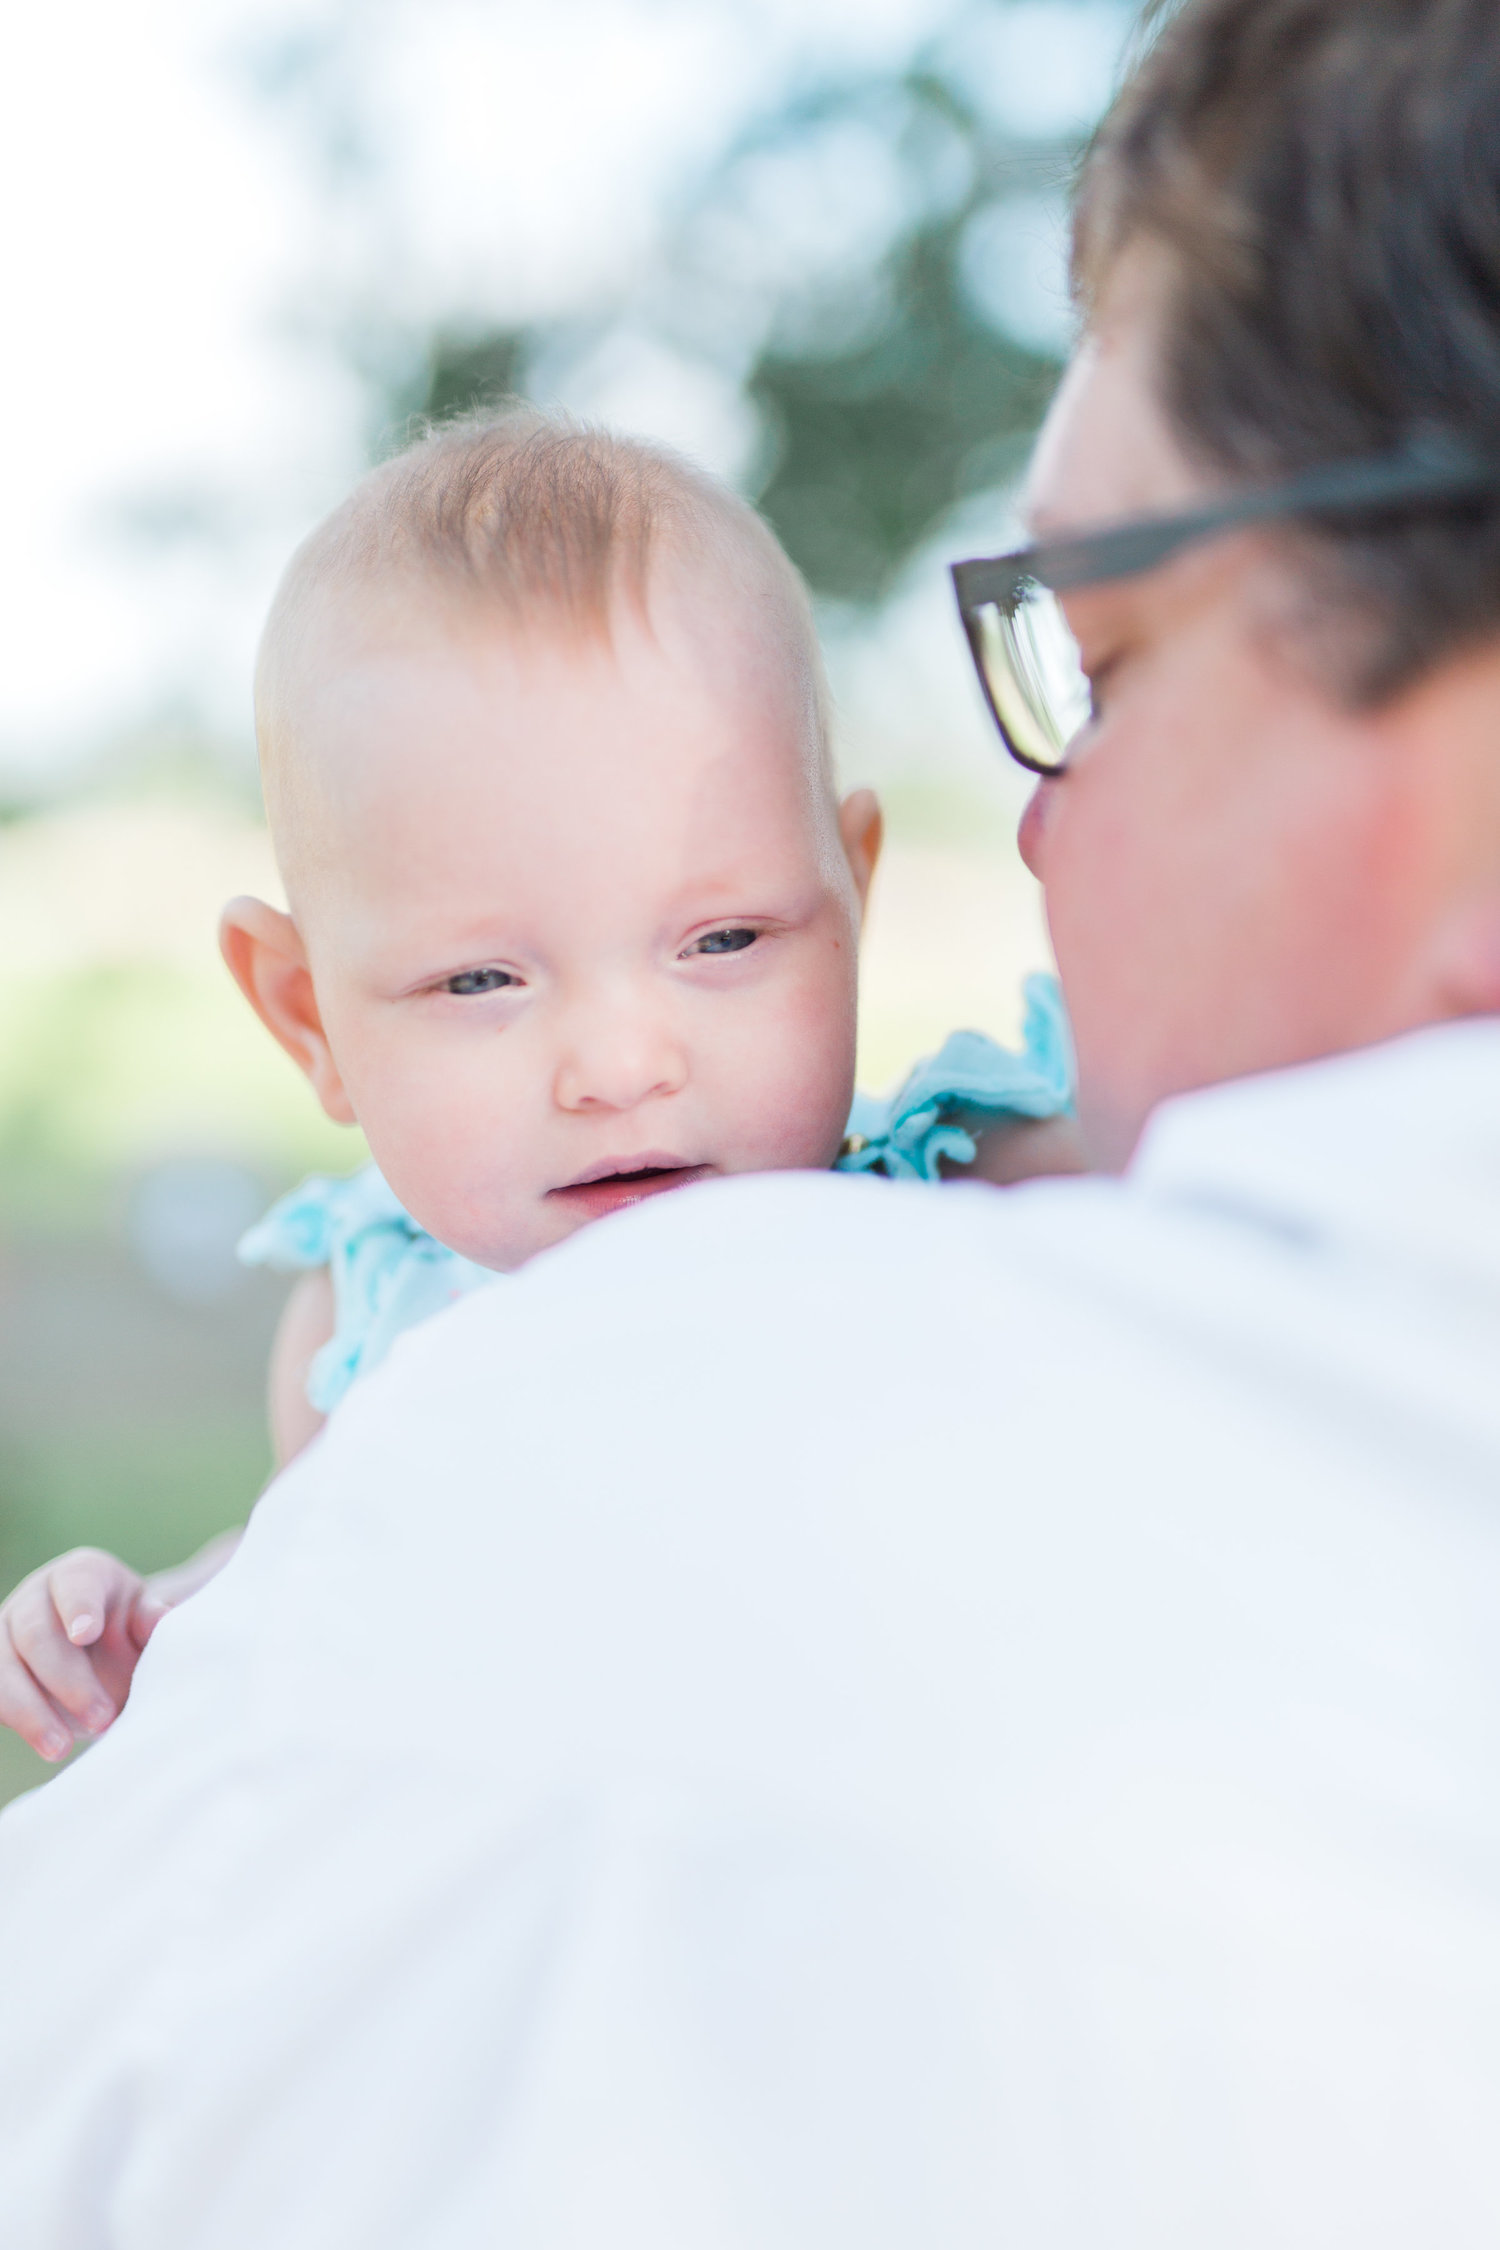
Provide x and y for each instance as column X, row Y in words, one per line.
column 616, row 1055
column 1032, row 835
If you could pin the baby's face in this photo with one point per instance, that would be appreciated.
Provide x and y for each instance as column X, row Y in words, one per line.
column 579, row 921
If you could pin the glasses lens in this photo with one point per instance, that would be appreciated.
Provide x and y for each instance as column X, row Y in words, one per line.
column 1031, row 667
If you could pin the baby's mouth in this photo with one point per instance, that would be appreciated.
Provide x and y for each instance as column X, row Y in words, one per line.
column 611, row 1186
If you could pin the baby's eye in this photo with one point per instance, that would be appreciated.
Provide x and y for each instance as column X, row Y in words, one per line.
column 479, row 980
column 724, row 941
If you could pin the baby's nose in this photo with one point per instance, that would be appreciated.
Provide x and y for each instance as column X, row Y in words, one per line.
column 616, row 1057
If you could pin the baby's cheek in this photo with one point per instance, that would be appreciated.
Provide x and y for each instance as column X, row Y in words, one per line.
column 794, row 1096
column 453, row 1170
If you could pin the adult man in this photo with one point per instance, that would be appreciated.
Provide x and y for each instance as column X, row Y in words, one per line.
column 1031, row 1779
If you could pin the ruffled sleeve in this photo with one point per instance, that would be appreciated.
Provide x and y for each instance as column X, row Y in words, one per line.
column 971, row 1081
column 387, row 1272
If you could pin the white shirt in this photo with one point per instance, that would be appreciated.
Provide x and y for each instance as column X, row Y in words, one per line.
column 835, row 1714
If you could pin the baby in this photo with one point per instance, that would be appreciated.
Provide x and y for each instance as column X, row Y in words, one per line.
column 574, row 918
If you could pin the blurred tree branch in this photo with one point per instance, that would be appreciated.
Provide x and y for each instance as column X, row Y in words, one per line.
column 870, row 274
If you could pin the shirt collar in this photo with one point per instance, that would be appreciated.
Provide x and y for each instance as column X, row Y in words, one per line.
column 1396, row 1145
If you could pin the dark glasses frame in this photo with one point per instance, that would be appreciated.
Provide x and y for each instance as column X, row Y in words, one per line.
column 1426, row 470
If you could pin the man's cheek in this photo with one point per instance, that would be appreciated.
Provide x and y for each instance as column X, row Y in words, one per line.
column 1031, row 835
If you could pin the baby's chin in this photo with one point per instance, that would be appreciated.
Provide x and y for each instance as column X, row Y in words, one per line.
column 505, row 1240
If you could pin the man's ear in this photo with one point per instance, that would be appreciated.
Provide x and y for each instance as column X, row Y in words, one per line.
column 862, row 830
column 268, row 962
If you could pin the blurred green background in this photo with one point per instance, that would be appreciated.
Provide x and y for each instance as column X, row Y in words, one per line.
column 838, row 278
column 144, row 1119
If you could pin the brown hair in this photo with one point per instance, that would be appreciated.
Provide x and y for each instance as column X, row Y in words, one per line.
column 1325, row 178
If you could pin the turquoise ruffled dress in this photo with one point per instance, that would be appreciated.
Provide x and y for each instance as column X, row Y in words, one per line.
column 389, row 1273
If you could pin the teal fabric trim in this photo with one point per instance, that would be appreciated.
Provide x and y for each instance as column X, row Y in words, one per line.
column 388, row 1273
column 969, row 1083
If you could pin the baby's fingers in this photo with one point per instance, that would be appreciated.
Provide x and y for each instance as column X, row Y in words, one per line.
column 64, row 1673
column 143, row 1616
column 24, row 1708
column 84, row 1586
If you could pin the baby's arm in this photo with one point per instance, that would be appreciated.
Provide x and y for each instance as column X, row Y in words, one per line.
column 306, row 1326
column 71, row 1634
column 1023, row 1148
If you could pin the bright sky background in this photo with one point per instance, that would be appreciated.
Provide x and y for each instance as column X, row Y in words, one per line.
column 173, row 232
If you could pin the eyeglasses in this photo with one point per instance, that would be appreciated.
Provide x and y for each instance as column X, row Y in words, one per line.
column 1027, row 660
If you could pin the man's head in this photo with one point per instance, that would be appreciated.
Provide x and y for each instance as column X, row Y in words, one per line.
column 1281, row 835
column 542, row 729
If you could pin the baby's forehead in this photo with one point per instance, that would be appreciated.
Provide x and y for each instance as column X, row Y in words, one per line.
column 701, row 699
column 701, row 625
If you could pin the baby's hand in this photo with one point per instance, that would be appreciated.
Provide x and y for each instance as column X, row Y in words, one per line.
column 71, row 1636
column 1025, row 1148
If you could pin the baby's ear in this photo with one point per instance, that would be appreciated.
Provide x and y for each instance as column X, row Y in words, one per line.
column 268, row 962
column 862, row 828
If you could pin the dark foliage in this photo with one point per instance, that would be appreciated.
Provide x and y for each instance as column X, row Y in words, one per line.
column 875, row 420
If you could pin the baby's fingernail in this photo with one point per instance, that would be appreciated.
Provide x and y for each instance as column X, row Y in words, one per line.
column 98, row 1716
column 82, row 1627
column 56, row 1744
